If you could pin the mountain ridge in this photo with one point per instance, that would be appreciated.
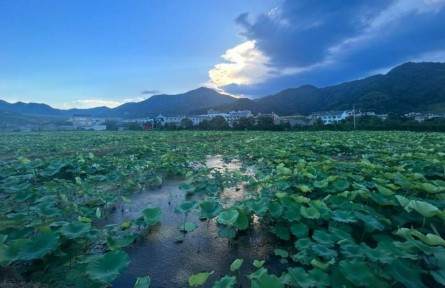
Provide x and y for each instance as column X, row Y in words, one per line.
column 405, row 88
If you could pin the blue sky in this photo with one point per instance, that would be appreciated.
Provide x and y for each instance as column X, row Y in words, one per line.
column 91, row 53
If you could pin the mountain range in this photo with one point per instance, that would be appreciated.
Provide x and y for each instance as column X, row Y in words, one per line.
column 409, row 87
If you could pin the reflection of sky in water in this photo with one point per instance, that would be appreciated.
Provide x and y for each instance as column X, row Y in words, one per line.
column 169, row 264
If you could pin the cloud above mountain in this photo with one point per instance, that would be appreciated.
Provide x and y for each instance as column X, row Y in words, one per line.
column 328, row 42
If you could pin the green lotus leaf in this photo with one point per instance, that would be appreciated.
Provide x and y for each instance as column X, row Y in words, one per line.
column 384, row 191
column 340, row 185
column 299, row 230
column 275, row 209
column 39, row 246
column 385, row 252
column 75, row 230
column 210, row 208
column 152, row 215
column 259, row 207
column 322, row 265
column 227, row 232
column 406, row 272
column 343, row 216
column 187, row 226
column 424, row 208
column 228, row 217
column 303, row 243
column 357, row 272
column 371, row 224
column 309, row 212
column 11, row 253
column 107, row 267
column 323, row 251
column 199, row 279
column 304, row 188
column 258, row 263
column 320, row 277
column 430, row 239
column 300, row 276
column 236, row 264
column 185, row 207
column 225, row 282
column 430, row 188
column 261, row 279
column 281, row 230
column 292, row 213
column 282, row 253
column 242, row 222
column 142, row 282
column 118, row 243
column 324, row 237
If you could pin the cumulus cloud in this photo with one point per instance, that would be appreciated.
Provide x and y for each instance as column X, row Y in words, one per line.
column 324, row 43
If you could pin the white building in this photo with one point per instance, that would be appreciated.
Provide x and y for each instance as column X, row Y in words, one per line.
column 331, row 117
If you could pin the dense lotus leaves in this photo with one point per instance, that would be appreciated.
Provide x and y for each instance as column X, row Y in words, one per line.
column 400, row 269
column 343, row 216
column 324, row 237
column 357, row 272
column 275, row 209
column 323, row 251
column 152, row 215
column 320, row 277
column 10, row 253
column 39, row 246
column 142, row 282
column 371, row 224
column 199, row 279
column 107, row 267
column 225, row 282
column 75, row 230
column 300, row 277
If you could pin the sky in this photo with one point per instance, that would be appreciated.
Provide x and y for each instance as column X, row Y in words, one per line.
column 87, row 53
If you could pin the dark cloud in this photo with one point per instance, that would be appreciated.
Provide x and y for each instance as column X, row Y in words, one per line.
column 150, row 92
column 303, row 33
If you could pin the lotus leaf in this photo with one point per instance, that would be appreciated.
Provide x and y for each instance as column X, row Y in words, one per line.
column 152, row 215
column 187, row 226
column 225, row 282
column 199, row 279
column 275, row 209
column 210, row 208
column 185, row 207
column 323, row 251
column 236, row 264
column 39, row 246
column 343, row 216
column 424, row 208
column 118, row 243
column 242, row 222
column 228, row 217
column 107, row 267
column 258, row 263
column 357, row 272
column 282, row 253
column 309, row 212
column 75, row 230
column 299, row 230
column 261, row 279
column 142, row 282
column 320, row 277
column 302, row 278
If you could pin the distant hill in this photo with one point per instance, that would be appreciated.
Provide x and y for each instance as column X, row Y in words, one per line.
column 406, row 88
column 172, row 104
column 409, row 87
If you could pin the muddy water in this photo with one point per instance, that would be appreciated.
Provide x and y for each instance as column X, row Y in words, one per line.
column 169, row 264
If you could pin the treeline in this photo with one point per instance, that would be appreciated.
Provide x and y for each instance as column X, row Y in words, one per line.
column 266, row 123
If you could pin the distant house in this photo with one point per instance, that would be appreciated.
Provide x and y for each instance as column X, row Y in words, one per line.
column 275, row 117
column 295, row 120
column 420, row 117
column 82, row 120
column 330, row 117
column 163, row 120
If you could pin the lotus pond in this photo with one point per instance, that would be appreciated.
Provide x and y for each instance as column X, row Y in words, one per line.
column 223, row 209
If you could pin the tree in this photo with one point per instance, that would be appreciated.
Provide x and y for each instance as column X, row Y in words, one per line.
column 111, row 125
column 265, row 123
column 244, row 123
column 218, row 123
column 186, row 123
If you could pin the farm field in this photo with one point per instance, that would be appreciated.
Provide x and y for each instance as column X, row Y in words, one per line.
column 223, row 209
